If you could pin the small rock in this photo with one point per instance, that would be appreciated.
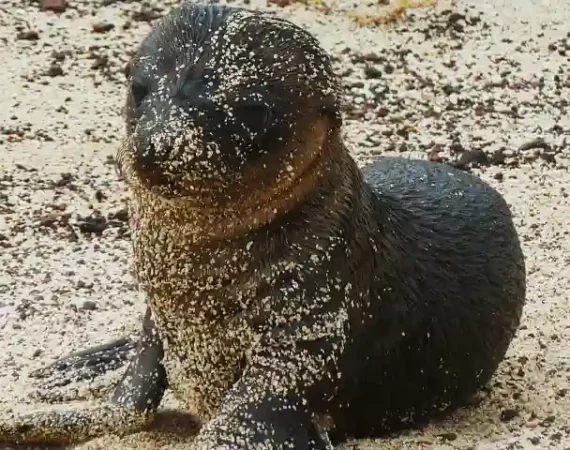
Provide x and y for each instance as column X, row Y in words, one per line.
column 434, row 155
column 372, row 57
column 539, row 143
column 448, row 436
column 455, row 17
column 53, row 5
column 499, row 176
column 55, row 70
column 51, row 219
column 145, row 16
column 508, row 414
column 102, row 27
column 121, row 214
column 557, row 437
column 281, row 3
column 93, row 225
column 372, row 72
column 89, row 305
column 498, row 157
column 448, row 89
column 383, row 111
column 548, row 421
column 456, row 147
column 28, row 35
column 100, row 62
column 65, row 179
column 472, row 158
column 58, row 56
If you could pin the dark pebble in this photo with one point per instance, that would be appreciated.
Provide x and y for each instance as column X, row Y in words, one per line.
column 472, row 158
column 50, row 220
column 89, row 305
column 100, row 196
column 28, row 35
column 372, row 57
column 508, row 414
column 448, row 436
column 372, row 72
column 103, row 27
column 535, row 143
column 557, row 437
column 383, row 111
column 456, row 147
column 55, row 70
column 448, row 89
column 65, row 179
column 100, row 61
column 93, row 225
column 58, row 56
column 145, row 16
column 121, row 214
column 455, row 17
column 434, row 155
column 548, row 421
column 53, row 5
column 498, row 157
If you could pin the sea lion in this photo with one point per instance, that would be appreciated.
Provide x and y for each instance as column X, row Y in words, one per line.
column 294, row 301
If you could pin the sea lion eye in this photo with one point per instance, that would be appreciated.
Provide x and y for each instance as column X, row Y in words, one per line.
column 139, row 91
column 256, row 117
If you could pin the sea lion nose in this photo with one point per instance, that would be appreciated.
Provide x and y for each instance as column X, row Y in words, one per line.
column 152, row 148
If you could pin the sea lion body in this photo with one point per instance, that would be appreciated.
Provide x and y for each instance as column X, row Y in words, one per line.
column 419, row 263
column 294, row 299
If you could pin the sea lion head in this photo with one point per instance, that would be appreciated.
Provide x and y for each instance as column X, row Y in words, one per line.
column 228, row 107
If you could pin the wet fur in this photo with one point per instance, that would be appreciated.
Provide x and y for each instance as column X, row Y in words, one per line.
column 381, row 298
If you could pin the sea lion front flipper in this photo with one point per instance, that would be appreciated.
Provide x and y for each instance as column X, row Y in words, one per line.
column 259, row 412
column 144, row 382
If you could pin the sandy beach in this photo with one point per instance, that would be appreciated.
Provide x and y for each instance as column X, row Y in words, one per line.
column 480, row 84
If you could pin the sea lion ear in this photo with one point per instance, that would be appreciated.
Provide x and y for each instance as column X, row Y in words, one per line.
column 330, row 109
column 128, row 69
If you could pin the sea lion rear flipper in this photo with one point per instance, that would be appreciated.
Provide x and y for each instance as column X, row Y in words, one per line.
column 130, row 408
column 87, row 364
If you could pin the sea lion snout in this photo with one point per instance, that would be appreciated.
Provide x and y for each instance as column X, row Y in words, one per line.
column 166, row 145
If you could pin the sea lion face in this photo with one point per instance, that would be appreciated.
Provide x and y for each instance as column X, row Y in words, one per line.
column 220, row 99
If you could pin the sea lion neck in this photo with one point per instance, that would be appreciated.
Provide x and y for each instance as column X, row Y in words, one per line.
column 326, row 179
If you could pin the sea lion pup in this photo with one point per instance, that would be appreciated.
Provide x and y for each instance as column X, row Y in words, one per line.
column 287, row 290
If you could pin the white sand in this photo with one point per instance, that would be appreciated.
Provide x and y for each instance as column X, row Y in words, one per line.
column 47, row 275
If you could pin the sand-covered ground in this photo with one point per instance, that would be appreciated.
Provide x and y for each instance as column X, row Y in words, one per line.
column 484, row 84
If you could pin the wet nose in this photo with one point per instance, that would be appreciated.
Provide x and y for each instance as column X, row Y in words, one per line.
column 151, row 151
